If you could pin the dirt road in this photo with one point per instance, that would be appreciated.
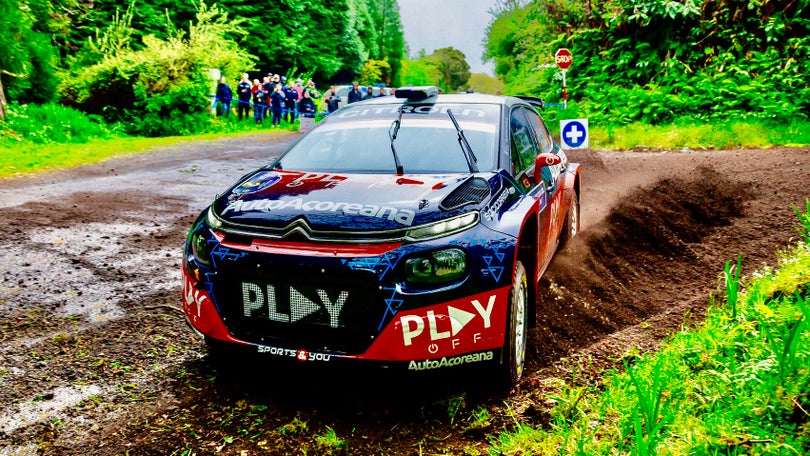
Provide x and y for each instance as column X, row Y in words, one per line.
column 96, row 358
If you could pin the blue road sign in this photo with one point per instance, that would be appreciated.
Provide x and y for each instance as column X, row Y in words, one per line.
column 574, row 133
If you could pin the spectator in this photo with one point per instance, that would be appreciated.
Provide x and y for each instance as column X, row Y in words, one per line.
column 313, row 92
column 369, row 93
column 268, row 86
column 224, row 97
column 243, row 92
column 332, row 100
column 289, row 100
column 299, row 90
column 276, row 103
column 355, row 94
column 259, row 102
column 306, row 106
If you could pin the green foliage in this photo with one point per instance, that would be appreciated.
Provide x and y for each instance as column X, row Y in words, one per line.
column 655, row 61
column 165, row 87
column 484, row 83
column 422, row 71
column 390, row 44
column 49, row 124
column 374, row 71
column 27, row 57
column 804, row 222
column 453, row 68
column 732, row 279
column 739, row 384
column 329, row 443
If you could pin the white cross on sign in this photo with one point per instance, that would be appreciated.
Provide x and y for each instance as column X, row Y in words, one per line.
column 574, row 133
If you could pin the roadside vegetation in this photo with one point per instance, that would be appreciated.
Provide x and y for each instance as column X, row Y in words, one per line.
column 739, row 383
column 36, row 138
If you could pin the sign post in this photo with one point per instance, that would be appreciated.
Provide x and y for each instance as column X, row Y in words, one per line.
column 564, row 59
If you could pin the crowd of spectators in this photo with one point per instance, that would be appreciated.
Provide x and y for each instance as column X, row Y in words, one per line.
column 276, row 97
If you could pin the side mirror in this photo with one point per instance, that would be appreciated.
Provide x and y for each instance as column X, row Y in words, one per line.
column 542, row 160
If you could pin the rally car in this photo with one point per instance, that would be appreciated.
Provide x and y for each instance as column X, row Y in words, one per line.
column 410, row 231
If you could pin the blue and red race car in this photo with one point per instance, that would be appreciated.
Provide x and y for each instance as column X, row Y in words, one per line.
column 409, row 231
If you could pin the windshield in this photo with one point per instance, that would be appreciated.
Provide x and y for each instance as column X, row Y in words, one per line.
column 427, row 142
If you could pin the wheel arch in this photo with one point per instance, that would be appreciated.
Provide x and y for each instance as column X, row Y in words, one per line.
column 526, row 252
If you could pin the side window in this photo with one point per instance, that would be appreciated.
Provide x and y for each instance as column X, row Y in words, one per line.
column 540, row 131
column 524, row 149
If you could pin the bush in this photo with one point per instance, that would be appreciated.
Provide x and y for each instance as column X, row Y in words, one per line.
column 51, row 123
column 165, row 87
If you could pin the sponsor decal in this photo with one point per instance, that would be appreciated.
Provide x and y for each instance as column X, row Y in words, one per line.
column 414, row 326
column 429, row 364
column 258, row 182
column 262, row 302
column 472, row 324
column 551, row 173
column 491, row 212
column 325, row 180
column 401, row 216
column 300, row 355
column 441, row 110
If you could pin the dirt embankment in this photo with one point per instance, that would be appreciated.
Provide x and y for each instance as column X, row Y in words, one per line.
column 96, row 359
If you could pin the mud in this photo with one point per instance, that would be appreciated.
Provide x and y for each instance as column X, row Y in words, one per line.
column 96, row 359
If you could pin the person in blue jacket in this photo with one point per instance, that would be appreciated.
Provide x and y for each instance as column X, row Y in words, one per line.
column 276, row 104
column 224, row 97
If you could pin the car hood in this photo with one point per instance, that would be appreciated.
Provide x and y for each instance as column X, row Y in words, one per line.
column 352, row 202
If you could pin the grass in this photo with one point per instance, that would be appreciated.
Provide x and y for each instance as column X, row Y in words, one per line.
column 687, row 135
column 27, row 158
column 739, row 384
column 37, row 138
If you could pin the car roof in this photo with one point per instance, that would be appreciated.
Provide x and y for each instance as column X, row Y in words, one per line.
column 454, row 98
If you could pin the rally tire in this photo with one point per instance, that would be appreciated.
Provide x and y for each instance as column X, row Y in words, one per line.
column 571, row 226
column 513, row 359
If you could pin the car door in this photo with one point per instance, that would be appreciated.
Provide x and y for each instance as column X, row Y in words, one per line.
column 524, row 150
column 553, row 176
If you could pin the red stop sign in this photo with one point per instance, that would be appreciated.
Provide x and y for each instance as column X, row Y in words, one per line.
column 563, row 58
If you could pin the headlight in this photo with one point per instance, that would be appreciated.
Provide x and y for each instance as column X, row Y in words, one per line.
column 443, row 228
column 200, row 248
column 439, row 266
column 212, row 220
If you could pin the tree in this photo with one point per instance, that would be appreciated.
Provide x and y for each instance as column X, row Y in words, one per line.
column 422, row 71
column 390, row 44
column 374, row 71
column 453, row 67
column 27, row 59
column 164, row 87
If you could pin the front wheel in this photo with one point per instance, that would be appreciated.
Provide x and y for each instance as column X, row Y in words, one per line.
column 514, row 348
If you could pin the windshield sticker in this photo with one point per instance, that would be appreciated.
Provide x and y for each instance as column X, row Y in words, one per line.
column 459, row 110
column 401, row 216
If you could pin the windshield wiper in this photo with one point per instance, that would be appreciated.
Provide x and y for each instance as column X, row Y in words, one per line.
column 392, row 134
column 469, row 155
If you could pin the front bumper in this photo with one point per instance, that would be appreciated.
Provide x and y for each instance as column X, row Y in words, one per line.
column 290, row 303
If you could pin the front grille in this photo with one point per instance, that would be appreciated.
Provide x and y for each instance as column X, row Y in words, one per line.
column 312, row 311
